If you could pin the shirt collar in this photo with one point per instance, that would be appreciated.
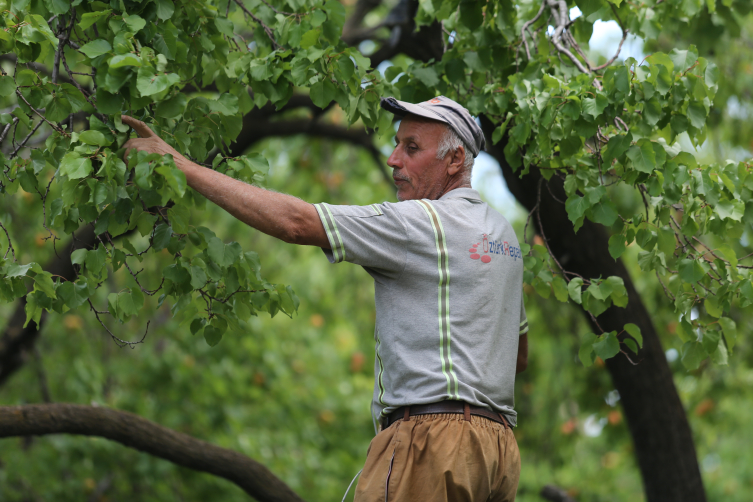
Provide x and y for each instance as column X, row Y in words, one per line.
column 462, row 193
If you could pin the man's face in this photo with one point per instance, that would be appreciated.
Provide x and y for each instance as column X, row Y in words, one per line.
column 417, row 172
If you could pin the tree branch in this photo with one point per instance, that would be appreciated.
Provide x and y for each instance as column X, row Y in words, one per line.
column 148, row 437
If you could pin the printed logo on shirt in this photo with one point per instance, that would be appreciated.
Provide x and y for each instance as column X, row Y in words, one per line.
column 493, row 247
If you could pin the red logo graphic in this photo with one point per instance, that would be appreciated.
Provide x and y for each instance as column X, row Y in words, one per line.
column 475, row 251
column 434, row 101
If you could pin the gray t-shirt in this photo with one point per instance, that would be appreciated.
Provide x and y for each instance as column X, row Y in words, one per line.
column 448, row 277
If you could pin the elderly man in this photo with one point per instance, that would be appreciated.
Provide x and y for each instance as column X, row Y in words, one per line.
column 451, row 329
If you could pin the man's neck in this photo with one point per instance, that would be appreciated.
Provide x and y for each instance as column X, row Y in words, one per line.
column 452, row 186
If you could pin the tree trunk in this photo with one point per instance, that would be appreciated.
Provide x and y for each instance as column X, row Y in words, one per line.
column 655, row 416
column 141, row 434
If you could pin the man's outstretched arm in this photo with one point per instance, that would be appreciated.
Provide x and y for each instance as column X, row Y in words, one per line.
column 282, row 216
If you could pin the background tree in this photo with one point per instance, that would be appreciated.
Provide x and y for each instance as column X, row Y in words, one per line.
column 608, row 145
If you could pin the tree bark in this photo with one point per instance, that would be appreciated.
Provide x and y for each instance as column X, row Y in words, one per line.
column 655, row 415
column 148, row 437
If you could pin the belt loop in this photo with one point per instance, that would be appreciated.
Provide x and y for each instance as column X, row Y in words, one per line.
column 504, row 421
column 406, row 414
column 467, row 412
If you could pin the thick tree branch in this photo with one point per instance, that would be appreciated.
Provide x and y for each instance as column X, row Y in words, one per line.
column 141, row 434
column 255, row 130
column 423, row 44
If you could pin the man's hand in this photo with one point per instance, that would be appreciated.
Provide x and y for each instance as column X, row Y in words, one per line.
column 279, row 215
column 148, row 141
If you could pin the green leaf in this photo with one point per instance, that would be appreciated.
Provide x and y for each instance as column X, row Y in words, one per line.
column 121, row 60
column 174, row 177
column 643, row 156
column 608, row 346
column 173, row 107
column 560, row 288
column 605, row 213
column 635, row 332
column 471, row 13
column 162, row 235
column 586, row 352
column 732, row 209
column 165, row 9
column 149, row 83
column 697, row 114
column 594, row 106
column 683, row 59
column 212, row 335
column 318, row 18
column 322, row 93
column 92, row 137
column 74, row 166
column 692, row 355
column 428, row 76
column 78, row 256
column 96, row 48
column 73, row 294
column 729, row 329
column 58, row 6
column 90, row 18
column 7, row 86
column 145, row 223
column 574, row 288
column 576, row 207
column 690, row 270
column 617, row 146
column 617, row 245
column 135, row 23
column 310, row 38
column 58, row 109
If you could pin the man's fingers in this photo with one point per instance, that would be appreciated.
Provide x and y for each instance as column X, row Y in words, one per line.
column 141, row 128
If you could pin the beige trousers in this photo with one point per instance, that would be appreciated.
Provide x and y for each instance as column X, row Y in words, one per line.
column 441, row 457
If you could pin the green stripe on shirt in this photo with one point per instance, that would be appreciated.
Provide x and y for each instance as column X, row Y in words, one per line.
column 341, row 246
column 330, row 236
column 443, row 297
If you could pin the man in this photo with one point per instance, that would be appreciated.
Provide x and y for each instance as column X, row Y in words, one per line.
column 451, row 330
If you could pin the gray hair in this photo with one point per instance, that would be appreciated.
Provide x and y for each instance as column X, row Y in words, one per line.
column 449, row 143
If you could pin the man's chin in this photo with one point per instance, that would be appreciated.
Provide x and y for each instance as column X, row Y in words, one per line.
column 403, row 195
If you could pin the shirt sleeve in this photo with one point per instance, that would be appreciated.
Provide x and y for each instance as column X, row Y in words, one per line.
column 523, row 318
column 373, row 236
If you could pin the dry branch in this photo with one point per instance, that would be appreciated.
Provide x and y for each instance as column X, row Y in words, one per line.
column 148, row 437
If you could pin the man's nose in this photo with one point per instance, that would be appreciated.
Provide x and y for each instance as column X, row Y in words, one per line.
column 394, row 160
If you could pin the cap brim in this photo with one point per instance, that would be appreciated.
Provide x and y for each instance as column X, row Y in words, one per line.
column 403, row 108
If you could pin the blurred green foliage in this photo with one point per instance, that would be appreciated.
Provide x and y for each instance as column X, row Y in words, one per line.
column 295, row 393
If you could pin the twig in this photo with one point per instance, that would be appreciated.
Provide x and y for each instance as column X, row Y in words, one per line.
column 18, row 93
column 118, row 341
column 10, row 245
column 529, row 23
column 281, row 12
column 666, row 291
column 7, row 129
column 266, row 28
column 560, row 11
column 23, row 141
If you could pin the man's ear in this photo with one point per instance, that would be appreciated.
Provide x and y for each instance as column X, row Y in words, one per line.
column 457, row 159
